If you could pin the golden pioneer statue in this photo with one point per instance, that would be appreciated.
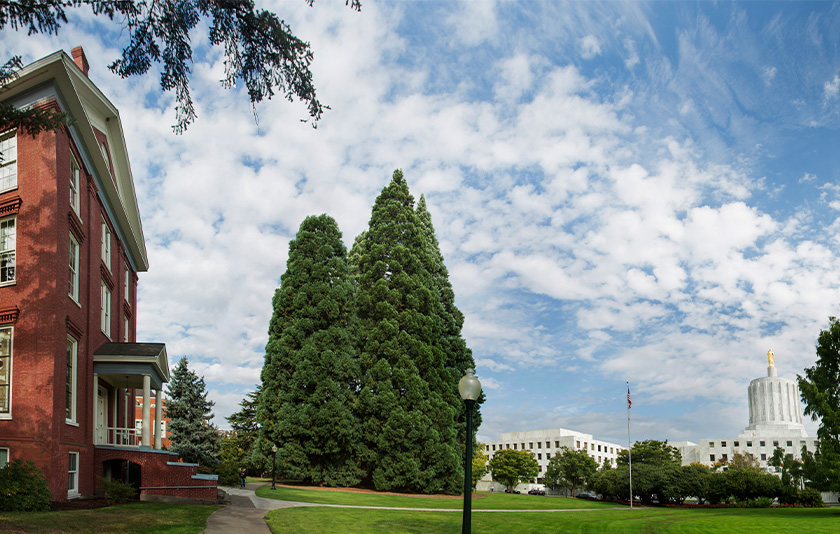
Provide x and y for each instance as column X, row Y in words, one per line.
column 771, row 358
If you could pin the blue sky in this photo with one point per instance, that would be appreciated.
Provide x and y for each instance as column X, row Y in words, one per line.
column 623, row 191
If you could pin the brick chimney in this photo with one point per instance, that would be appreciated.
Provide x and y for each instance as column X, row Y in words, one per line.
column 80, row 59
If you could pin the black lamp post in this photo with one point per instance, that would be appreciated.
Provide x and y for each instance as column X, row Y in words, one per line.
column 470, row 388
column 273, row 464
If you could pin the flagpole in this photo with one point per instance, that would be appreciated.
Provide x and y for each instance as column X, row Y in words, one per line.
column 629, row 446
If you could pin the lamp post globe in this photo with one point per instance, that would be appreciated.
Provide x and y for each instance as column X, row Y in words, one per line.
column 470, row 389
column 273, row 464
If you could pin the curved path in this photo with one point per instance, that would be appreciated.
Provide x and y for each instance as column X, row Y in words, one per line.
column 246, row 511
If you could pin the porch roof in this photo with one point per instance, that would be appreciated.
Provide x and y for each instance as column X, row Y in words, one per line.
column 132, row 361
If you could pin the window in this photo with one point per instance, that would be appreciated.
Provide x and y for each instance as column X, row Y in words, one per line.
column 790, row 444
column 578, row 444
column 775, row 443
column 548, row 456
column 125, row 328
column 70, row 383
column 126, row 283
column 487, row 448
column 5, row 371
column 75, row 171
column 556, row 444
column 162, row 428
column 711, row 444
column 106, row 310
column 539, row 445
column 711, row 457
column 514, row 446
column 599, row 448
column 736, row 443
column 523, row 447
column 4, row 457
column 507, row 445
column 73, row 289
column 8, row 164
column 763, row 456
column 761, row 443
column 611, row 450
column 539, row 456
column 73, row 474
column 749, row 444
column 591, row 446
column 7, row 250
column 723, row 444
column 530, row 444
column 494, row 447
column 106, row 244
column 723, row 457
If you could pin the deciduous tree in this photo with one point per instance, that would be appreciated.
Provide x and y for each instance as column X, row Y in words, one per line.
column 573, row 468
column 820, row 389
column 511, row 468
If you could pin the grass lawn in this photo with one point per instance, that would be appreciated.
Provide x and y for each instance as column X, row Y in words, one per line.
column 485, row 500
column 641, row 521
column 134, row 518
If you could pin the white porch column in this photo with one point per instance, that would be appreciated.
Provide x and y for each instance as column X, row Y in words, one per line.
column 95, row 402
column 147, row 386
column 158, row 409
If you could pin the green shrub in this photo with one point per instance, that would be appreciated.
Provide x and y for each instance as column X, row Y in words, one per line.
column 760, row 502
column 228, row 474
column 118, row 492
column 23, row 488
column 810, row 497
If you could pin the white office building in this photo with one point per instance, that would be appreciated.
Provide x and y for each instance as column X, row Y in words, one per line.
column 545, row 444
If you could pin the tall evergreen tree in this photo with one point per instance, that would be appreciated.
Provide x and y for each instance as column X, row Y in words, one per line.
column 244, row 431
column 458, row 356
column 407, row 419
column 310, row 375
column 193, row 437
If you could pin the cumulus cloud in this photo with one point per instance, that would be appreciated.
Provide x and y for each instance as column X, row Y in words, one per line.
column 831, row 88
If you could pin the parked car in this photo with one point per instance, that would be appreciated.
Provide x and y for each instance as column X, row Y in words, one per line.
column 587, row 496
column 511, row 491
column 536, row 491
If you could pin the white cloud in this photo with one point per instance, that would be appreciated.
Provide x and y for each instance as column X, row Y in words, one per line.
column 589, row 47
column 769, row 74
column 831, row 88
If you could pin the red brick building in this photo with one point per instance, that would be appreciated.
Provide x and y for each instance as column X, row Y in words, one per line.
column 164, row 421
column 71, row 245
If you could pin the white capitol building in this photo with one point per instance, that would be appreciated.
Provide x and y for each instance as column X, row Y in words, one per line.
column 775, row 421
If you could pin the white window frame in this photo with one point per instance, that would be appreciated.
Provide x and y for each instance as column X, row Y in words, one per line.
column 8, row 167
column 7, row 361
column 126, row 326
column 73, row 267
column 75, row 197
column 4, row 461
column 72, row 383
column 126, row 282
column 105, row 314
column 106, row 244
column 8, row 246
column 72, row 474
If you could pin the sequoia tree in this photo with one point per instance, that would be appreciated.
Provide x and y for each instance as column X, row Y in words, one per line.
column 193, row 437
column 260, row 50
column 820, row 389
column 405, row 404
column 458, row 356
column 310, row 374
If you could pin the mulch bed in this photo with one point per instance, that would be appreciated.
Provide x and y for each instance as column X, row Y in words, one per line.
column 287, row 484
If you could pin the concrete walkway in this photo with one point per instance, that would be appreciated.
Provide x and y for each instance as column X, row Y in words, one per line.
column 246, row 511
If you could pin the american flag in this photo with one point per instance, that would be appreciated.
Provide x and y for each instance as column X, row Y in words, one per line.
column 629, row 402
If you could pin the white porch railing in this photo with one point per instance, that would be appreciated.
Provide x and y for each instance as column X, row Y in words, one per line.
column 122, row 437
